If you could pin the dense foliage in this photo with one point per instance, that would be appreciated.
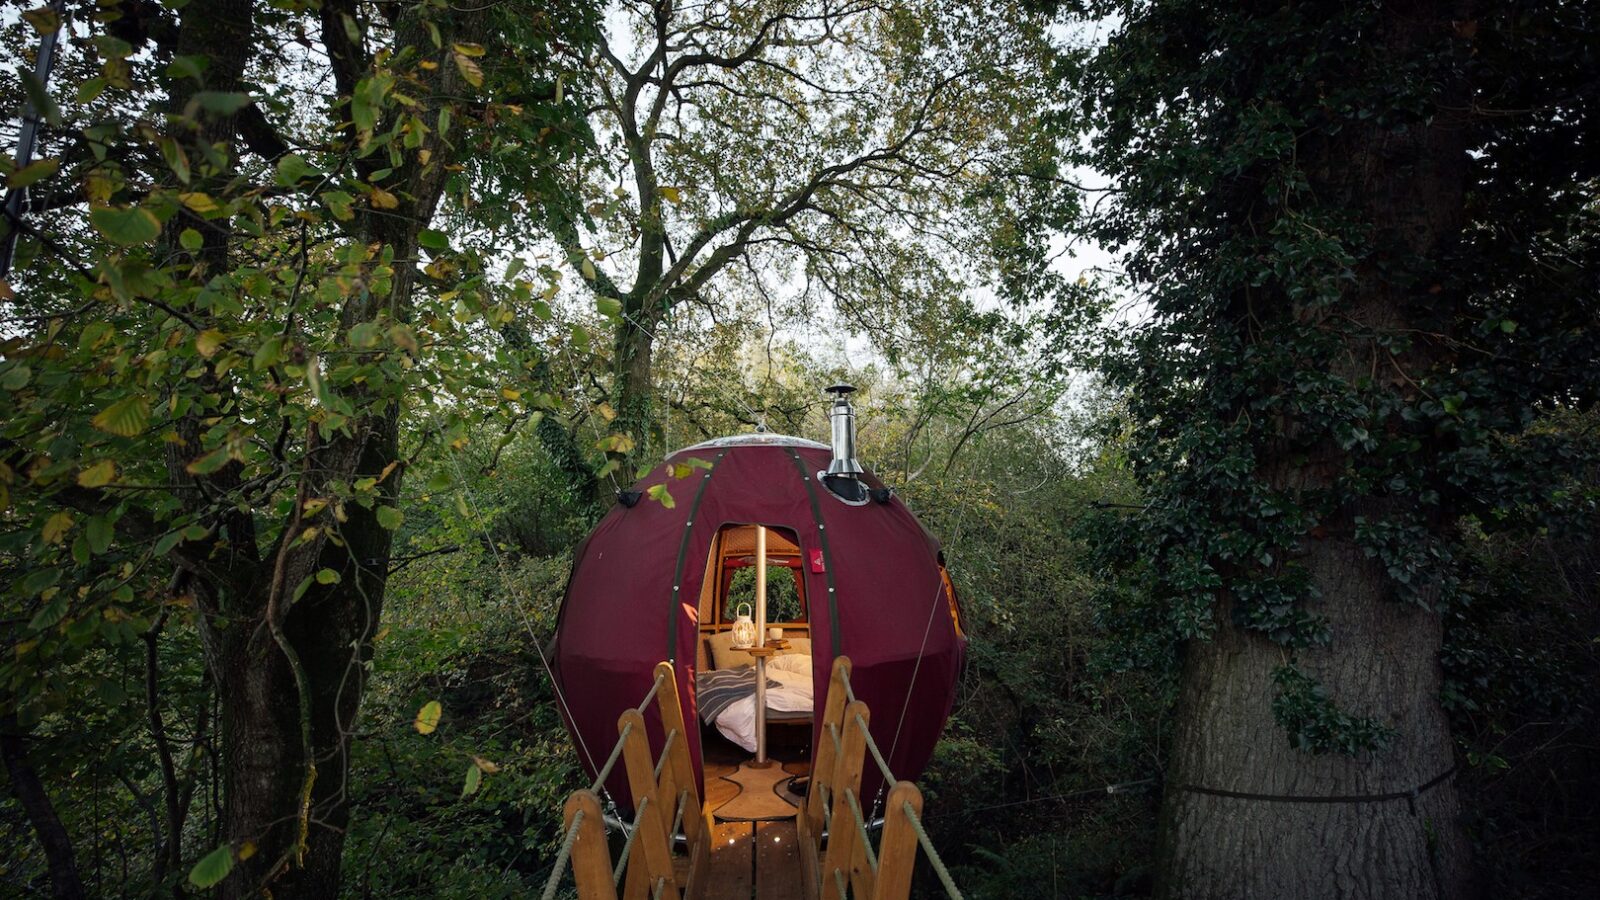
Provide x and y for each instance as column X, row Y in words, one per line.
column 334, row 325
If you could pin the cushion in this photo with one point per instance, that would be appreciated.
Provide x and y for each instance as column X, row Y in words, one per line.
column 720, row 648
column 790, row 662
column 723, row 656
column 800, row 646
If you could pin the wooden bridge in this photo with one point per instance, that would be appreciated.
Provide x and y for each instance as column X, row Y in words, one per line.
column 822, row 851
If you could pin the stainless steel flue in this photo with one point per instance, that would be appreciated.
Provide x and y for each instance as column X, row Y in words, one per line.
column 842, row 419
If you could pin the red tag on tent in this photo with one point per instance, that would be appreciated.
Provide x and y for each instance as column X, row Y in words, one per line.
column 816, row 562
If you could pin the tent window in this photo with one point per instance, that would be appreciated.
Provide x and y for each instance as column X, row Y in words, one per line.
column 784, row 592
column 732, row 572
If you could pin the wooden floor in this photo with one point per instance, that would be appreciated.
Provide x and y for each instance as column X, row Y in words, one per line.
column 759, row 860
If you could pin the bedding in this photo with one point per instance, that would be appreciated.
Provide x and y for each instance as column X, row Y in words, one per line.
column 727, row 697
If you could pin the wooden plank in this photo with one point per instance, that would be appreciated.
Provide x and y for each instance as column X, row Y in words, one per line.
column 732, row 861
column 778, row 862
column 591, row 856
column 897, row 850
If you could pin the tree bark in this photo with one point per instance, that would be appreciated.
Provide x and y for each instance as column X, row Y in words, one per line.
column 1409, row 185
column 35, row 802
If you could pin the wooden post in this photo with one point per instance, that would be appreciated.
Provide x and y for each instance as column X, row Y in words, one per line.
column 591, row 857
column 652, row 845
column 897, row 849
column 681, row 763
column 761, row 641
column 842, row 836
column 822, row 772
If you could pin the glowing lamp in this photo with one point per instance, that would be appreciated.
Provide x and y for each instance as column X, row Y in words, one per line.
column 744, row 629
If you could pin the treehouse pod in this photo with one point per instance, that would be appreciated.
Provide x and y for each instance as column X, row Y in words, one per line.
column 649, row 583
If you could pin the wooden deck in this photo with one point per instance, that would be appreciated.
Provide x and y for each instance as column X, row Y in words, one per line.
column 750, row 860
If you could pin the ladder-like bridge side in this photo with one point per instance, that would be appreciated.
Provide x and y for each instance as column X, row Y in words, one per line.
column 837, row 857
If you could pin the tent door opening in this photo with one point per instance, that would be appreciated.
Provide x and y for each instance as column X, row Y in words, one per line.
column 770, row 726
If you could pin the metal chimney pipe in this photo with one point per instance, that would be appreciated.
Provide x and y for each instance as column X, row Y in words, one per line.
column 842, row 419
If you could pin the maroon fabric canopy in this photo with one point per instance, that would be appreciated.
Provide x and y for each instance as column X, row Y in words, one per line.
column 879, row 598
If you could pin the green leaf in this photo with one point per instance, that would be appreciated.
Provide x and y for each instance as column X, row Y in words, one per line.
column 269, row 353
column 405, row 339
column 291, row 168
column 34, row 172
column 433, row 240
column 16, row 378
column 365, row 335
column 128, row 226
column 189, row 239
column 43, row 19
column 474, row 779
column 1508, row 326
column 99, row 532
column 212, row 868
column 327, row 576
column 610, row 307
column 98, row 475
column 209, row 463
column 428, row 717
column 125, row 418
column 38, row 97
column 338, row 202
column 389, row 517
column 167, row 542
column 660, row 494
column 54, row 610
column 221, row 103
column 91, row 89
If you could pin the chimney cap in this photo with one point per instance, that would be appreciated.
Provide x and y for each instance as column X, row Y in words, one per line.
column 841, row 389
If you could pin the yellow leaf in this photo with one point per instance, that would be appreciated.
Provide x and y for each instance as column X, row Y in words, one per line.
column 246, row 850
column 469, row 49
column 382, row 199
column 605, row 411
column 469, row 69
column 100, row 474
column 428, row 717
column 489, row 768
column 671, row 194
column 208, row 342
column 57, row 526
column 200, row 203
column 511, row 394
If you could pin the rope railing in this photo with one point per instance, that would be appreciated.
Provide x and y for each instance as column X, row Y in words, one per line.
column 852, row 864
column 562, row 855
column 663, row 790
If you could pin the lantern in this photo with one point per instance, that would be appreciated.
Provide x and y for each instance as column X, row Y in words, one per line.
column 744, row 630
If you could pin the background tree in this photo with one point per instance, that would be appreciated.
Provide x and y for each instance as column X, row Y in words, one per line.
column 205, row 387
column 1357, row 315
column 873, row 161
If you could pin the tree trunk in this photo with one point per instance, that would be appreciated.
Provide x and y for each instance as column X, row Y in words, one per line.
column 30, row 794
column 633, row 391
column 1409, row 185
column 1383, row 663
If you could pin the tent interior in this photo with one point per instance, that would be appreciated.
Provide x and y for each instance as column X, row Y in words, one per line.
column 729, row 742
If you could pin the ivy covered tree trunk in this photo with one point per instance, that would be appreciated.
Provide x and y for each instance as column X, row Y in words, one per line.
column 1329, row 823
column 1227, row 739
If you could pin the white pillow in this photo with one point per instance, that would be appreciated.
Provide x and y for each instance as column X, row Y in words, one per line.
column 797, row 647
column 790, row 662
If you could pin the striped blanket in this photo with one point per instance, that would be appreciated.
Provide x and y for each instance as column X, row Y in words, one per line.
column 720, row 688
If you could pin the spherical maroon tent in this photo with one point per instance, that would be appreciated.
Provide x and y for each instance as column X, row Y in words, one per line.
column 872, row 580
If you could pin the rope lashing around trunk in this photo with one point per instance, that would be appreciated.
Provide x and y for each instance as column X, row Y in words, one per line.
column 1409, row 796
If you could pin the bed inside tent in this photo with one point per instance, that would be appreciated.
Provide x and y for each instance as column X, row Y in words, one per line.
column 726, row 673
